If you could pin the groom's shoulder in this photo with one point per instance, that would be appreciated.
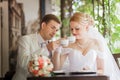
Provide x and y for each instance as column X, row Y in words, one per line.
column 27, row 37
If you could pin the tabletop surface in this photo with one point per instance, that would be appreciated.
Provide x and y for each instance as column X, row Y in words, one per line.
column 72, row 77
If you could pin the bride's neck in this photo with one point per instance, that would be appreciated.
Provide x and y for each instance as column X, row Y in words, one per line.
column 82, row 41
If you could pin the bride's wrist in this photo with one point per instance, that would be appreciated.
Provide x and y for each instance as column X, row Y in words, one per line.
column 58, row 50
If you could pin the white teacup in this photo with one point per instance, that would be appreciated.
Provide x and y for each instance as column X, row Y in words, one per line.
column 71, row 39
column 64, row 42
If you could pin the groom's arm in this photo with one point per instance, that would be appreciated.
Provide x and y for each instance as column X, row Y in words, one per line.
column 23, row 52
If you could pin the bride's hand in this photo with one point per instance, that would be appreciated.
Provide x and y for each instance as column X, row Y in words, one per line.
column 86, row 68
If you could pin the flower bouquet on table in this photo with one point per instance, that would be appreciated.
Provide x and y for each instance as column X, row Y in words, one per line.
column 40, row 65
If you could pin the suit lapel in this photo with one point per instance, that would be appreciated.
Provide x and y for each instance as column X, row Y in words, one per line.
column 34, row 42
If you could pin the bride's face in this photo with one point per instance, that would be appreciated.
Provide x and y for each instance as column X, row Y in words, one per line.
column 77, row 29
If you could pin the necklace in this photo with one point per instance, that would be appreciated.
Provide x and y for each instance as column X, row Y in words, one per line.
column 82, row 46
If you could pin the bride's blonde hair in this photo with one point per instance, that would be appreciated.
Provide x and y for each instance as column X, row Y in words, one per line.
column 82, row 18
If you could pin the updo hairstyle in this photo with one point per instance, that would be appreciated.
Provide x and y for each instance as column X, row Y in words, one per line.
column 82, row 18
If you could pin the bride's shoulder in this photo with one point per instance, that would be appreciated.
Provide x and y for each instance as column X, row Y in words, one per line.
column 94, row 41
column 98, row 44
column 71, row 45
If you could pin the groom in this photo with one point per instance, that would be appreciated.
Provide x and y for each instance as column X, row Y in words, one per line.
column 29, row 44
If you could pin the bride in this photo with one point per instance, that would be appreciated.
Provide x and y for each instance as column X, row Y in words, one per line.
column 88, row 52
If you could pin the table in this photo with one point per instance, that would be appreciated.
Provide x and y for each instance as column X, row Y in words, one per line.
column 72, row 77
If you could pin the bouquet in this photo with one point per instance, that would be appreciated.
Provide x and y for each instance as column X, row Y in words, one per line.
column 40, row 65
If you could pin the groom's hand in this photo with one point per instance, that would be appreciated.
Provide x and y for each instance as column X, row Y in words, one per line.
column 53, row 45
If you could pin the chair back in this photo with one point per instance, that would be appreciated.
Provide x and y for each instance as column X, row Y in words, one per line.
column 117, row 59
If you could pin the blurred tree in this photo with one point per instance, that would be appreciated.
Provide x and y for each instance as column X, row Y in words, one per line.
column 66, row 10
column 106, row 15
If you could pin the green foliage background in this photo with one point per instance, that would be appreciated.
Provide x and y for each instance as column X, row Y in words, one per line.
column 104, row 13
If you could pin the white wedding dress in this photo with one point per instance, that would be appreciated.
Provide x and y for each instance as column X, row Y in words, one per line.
column 78, row 61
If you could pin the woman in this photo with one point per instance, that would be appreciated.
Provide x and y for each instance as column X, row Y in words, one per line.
column 89, row 52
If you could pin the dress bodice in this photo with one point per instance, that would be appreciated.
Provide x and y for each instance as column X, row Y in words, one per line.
column 78, row 61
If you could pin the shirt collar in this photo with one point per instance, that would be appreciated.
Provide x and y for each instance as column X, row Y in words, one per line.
column 41, row 41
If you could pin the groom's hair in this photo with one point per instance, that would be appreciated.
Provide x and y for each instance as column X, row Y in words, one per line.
column 48, row 18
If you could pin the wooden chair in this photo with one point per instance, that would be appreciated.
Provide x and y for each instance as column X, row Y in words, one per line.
column 117, row 59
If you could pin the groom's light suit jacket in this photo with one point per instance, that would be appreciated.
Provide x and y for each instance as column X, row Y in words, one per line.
column 27, row 45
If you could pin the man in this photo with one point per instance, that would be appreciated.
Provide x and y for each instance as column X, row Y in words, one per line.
column 33, row 43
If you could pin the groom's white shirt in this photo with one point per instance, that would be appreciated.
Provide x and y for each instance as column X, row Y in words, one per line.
column 27, row 45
